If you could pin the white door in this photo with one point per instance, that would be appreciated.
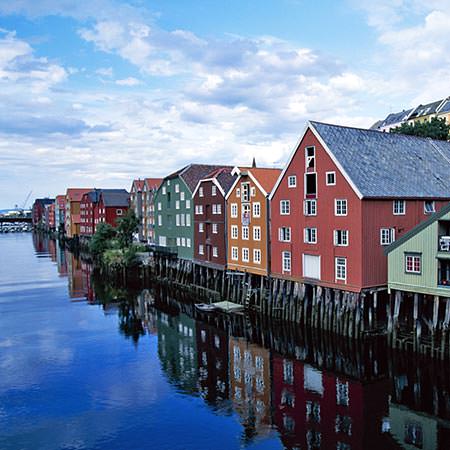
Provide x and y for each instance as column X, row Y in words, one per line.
column 311, row 266
column 162, row 241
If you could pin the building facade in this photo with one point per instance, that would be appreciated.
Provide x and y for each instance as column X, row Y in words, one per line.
column 345, row 195
column 137, row 205
column 151, row 185
column 174, row 227
column 113, row 204
column 210, row 233
column 38, row 210
column 248, row 220
column 60, row 211
column 419, row 262
column 73, row 217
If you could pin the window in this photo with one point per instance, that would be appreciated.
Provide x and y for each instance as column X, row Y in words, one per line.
column 188, row 220
column 188, row 242
column 387, row 236
column 341, row 268
column 399, row 207
column 257, row 256
column 213, row 190
column 234, row 210
column 177, row 220
column 234, row 232
column 286, row 261
column 310, row 184
column 119, row 212
column 245, row 255
column 252, row 191
column 256, row 209
column 256, row 233
column 160, row 220
column 428, row 207
column 284, row 234
column 413, row 263
column 310, row 235
column 164, row 190
column 219, row 208
column 188, row 204
column 214, row 209
column 340, row 207
column 159, row 206
column 198, row 209
column 200, row 191
column 201, row 227
column 342, row 394
column 310, row 207
column 177, row 188
column 331, row 178
column 341, row 238
column 177, row 204
column 182, row 221
column 183, row 242
column 292, row 181
column 200, row 249
column 238, row 192
column 178, row 242
column 234, row 253
column 245, row 194
column 245, row 233
column 285, row 207
column 182, row 196
column 215, row 228
column 310, row 157
column 215, row 252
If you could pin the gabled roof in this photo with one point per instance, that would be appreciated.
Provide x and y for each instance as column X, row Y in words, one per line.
column 221, row 177
column 425, row 110
column 391, row 165
column 138, row 185
column 44, row 201
column 393, row 118
column 418, row 228
column 264, row 178
column 445, row 106
column 193, row 173
column 115, row 197
column 75, row 194
column 153, row 183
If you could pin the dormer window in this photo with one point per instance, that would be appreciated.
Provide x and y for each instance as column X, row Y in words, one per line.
column 310, row 157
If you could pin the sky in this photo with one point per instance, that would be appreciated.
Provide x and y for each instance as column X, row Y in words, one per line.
column 96, row 93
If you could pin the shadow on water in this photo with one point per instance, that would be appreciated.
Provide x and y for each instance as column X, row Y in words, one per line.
column 311, row 389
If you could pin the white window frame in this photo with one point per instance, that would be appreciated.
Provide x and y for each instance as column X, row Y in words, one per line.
column 213, row 190
column 257, row 256
column 413, row 258
column 387, row 236
column 201, row 227
column 338, row 267
column 188, row 242
column 310, row 235
column 333, row 183
column 256, row 233
column 285, row 207
column 309, row 158
column 188, row 204
column 286, row 257
column 256, row 209
column 201, row 249
column 305, row 207
column 159, row 220
column 238, row 192
column 215, row 228
column 234, row 210
column 182, row 195
column 188, row 220
column 200, row 191
column 164, row 190
column 245, row 254
column 235, row 253
column 292, row 181
column 341, row 202
column 432, row 203
column 245, row 231
column 252, row 191
column 284, row 236
column 344, row 238
column 395, row 209
column 234, row 232
column 177, row 204
column 215, row 252
column 177, row 188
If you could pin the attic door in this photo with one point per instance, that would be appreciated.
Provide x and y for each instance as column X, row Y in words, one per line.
column 311, row 266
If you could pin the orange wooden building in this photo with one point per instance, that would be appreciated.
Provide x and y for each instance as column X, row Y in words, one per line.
column 248, row 219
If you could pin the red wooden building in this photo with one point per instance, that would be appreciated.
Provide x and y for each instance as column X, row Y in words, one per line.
column 316, row 409
column 347, row 193
column 89, row 212
column 210, row 234
column 38, row 210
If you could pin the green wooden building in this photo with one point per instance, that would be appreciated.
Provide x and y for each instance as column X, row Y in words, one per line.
column 174, row 227
column 419, row 261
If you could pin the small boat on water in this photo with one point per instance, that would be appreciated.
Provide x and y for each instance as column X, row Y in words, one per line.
column 205, row 307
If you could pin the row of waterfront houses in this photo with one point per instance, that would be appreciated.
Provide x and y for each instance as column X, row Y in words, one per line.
column 331, row 217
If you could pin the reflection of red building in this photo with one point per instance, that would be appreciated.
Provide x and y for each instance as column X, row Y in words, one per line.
column 86, row 269
column 315, row 409
column 52, row 249
column 212, row 356
column 76, row 286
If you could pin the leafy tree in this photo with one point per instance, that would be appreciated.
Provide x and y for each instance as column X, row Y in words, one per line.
column 126, row 228
column 101, row 240
column 436, row 128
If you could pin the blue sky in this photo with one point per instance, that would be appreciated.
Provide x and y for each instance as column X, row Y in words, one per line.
column 97, row 93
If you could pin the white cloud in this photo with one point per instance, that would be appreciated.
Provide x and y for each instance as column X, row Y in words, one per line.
column 130, row 81
column 105, row 71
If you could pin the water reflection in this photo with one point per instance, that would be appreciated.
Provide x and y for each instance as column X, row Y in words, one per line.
column 311, row 390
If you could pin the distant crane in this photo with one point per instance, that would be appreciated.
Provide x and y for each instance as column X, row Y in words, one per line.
column 22, row 208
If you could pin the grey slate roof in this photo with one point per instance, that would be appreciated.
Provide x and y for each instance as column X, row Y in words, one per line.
column 445, row 107
column 393, row 118
column 390, row 165
column 115, row 197
column 425, row 110
column 193, row 173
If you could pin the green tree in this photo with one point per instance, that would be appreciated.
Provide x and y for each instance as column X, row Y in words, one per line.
column 436, row 128
column 101, row 240
column 126, row 228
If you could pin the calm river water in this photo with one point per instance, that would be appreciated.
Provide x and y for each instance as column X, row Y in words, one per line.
column 88, row 366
